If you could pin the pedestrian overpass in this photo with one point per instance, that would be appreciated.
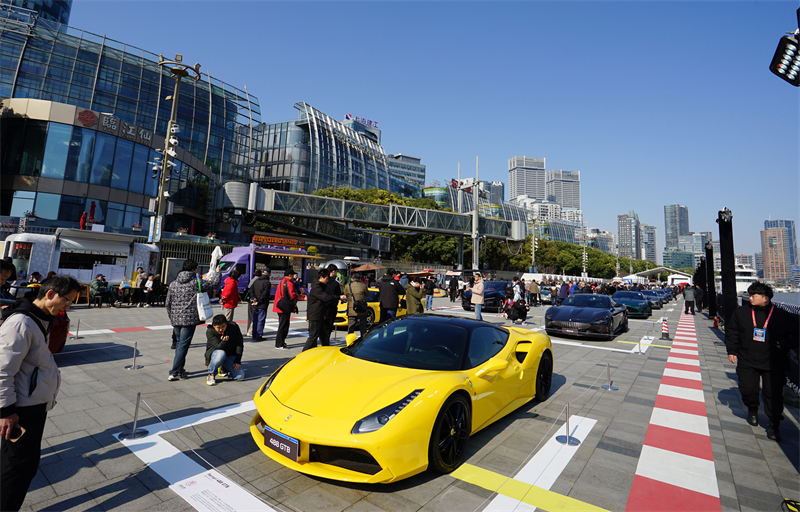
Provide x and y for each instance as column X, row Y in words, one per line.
column 252, row 198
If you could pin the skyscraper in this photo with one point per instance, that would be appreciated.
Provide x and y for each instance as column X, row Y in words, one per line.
column 564, row 188
column 790, row 238
column 776, row 266
column 676, row 223
column 759, row 259
column 649, row 243
column 629, row 235
column 408, row 168
column 497, row 191
column 526, row 176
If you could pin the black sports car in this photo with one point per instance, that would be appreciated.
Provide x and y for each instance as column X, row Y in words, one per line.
column 655, row 299
column 587, row 315
column 494, row 294
column 636, row 302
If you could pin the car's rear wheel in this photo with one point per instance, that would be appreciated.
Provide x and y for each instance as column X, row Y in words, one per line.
column 370, row 317
column 450, row 436
column 544, row 378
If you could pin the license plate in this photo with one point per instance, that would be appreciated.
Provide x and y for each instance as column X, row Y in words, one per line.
column 569, row 331
column 281, row 443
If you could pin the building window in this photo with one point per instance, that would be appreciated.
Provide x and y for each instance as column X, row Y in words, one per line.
column 22, row 202
column 47, row 205
column 79, row 159
column 103, row 161
column 56, row 150
column 122, row 164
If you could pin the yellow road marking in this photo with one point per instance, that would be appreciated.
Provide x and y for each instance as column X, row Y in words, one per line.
column 648, row 344
column 526, row 493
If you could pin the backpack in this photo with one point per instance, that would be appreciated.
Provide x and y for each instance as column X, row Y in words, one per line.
column 359, row 306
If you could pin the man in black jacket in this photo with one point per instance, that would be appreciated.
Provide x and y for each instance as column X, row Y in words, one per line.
column 333, row 287
column 224, row 348
column 390, row 292
column 758, row 338
column 319, row 301
column 260, row 299
column 453, row 288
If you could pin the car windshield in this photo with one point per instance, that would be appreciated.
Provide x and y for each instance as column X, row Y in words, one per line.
column 588, row 301
column 650, row 293
column 413, row 343
column 628, row 295
column 226, row 266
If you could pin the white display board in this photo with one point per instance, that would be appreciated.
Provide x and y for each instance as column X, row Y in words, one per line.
column 83, row 276
column 115, row 274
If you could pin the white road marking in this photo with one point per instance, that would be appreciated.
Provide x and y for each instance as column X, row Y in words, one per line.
column 181, row 472
column 682, row 374
column 681, row 360
column 645, row 342
column 677, row 469
column 695, row 395
column 680, row 421
column 544, row 468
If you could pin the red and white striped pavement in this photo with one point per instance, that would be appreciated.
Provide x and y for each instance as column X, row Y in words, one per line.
column 676, row 467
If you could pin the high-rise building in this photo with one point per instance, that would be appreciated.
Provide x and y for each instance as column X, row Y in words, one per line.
column 790, row 238
column 759, row 261
column 497, row 192
column 572, row 214
column 526, row 177
column 405, row 167
column 602, row 240
column 629, row 231
column 678, row 259
column 50, row 10
column 649, row 249
column 776, row 266
column 694, row 243
column 676, row 223
column 564, row 188
column 745, row 259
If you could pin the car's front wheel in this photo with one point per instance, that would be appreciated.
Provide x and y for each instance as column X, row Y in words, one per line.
column 370, row 317
column 450, row 436
column 544, row 378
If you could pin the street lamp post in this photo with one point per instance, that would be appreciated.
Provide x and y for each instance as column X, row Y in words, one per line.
column 179, row 70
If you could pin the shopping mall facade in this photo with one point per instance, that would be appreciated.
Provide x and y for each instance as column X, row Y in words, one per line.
column 84, row 114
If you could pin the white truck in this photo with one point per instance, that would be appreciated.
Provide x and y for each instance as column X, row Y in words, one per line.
column 80, row 253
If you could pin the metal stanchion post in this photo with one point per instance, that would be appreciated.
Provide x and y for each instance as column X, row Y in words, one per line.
column 77, row 331
column 134, row 366
column 134, row 433
column 609, row 386
column 568, row 439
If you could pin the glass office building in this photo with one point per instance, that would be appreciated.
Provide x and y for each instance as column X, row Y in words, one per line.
column 83, row 114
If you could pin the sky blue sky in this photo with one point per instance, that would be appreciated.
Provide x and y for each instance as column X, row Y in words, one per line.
column 654, row 102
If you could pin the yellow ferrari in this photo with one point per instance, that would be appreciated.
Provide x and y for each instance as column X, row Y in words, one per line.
column 405, row 397
column 374, row 302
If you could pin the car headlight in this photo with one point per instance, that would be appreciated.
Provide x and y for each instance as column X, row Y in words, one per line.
column 380, row 418
column 270, row 380
column 600, row 321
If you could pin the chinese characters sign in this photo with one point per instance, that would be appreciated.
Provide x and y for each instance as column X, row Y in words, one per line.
column 111, row 124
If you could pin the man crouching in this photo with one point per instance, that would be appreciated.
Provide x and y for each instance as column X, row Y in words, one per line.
column 224, row 347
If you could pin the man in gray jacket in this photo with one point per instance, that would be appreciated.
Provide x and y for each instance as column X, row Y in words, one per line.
column 29, row 382
column 181, row 305
column 688, row 296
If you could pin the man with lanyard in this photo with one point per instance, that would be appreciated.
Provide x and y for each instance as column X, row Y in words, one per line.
column 758, row 338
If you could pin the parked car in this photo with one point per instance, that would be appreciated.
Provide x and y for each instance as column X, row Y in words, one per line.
column 405, row 397
column 594, row 316
column 494, row 293
column 655, row 299
column 637, row 304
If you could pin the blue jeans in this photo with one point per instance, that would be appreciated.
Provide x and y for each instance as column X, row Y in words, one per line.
column 387, row 314
column 184, row 335
column 428, row 302
column 259, row 316
column 225, row 362
column 478, row 311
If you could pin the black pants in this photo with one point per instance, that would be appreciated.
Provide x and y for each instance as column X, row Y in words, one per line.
column 687, row 305
column 317, row 331
column 453, row 294
column 19, row 461
column 357, row 322
column 771, row 384
column 283, row 329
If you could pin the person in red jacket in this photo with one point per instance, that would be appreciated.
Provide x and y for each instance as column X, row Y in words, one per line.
column 229, row 298
column 287, row 288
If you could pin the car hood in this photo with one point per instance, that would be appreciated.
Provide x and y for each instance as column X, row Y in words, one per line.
column 325, row 383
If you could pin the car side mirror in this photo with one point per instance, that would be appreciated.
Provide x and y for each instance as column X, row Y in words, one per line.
column 351, row 338
column 494, row 364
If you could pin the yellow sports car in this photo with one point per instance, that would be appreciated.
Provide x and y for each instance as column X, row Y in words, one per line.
column 405, row 397
column 374, row 302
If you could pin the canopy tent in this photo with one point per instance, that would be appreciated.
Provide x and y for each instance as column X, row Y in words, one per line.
column 367, row 267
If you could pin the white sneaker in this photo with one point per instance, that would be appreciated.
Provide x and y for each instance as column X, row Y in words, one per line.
column 173, row 377
column 210, row 380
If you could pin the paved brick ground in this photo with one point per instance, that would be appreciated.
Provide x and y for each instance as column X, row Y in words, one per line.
column 84, row 468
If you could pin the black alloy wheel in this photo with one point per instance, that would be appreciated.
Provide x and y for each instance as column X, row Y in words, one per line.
column 370, row 317
column 544, row 377
column 450, row 435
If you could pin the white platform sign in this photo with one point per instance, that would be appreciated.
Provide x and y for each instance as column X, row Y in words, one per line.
column 214, row 492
